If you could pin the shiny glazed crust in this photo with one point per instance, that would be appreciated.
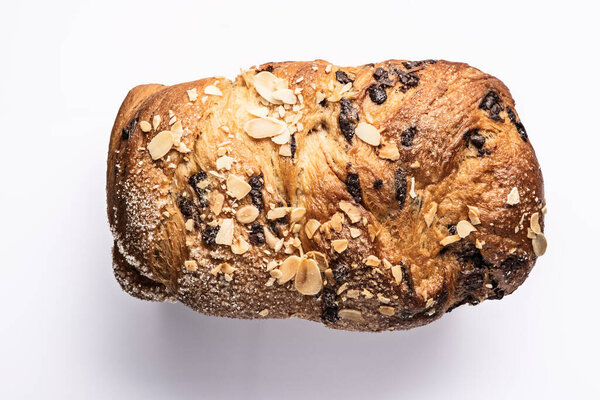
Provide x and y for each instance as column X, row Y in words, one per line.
column 417, row 178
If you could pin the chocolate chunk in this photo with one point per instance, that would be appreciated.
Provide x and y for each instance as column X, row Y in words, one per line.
column 477, row 140
column 348, row 118
column 209, row 235
column 400, row 185
column 329, row 308
column 382, row 77
column 340, row 272
column 293, row 145
column 186, row 206
column 323, row 102
column 353, row 186
column 406, row 277
column 256, row 183
column 407, row 79
column 377, row 93
column 128, row 129
column 257, row 234
column 408, row 135
column 415, row 64
column 492, row 104
column 516, row 123
column 377, row 184
column 201, row 193
column 342, row 77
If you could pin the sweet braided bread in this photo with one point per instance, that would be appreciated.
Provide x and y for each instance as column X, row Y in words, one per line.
column 367, row 198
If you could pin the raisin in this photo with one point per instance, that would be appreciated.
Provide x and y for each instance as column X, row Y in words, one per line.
column 128, row 129
column 193, row 181
column 400, row 185
column 340, row 272
column 348, row 118
column 209, row 235
column 517, row 124
column 257, row 234
column 377, row 184
column 293, row 145
column 415, row 64
column 330, row 309
column 407, row 79
column 382, row 77
column 256, row 183
column 186, row 206
column 377, row 93
column 353, row 186
column 342, row 77
column 492, row 104
column 408, row 135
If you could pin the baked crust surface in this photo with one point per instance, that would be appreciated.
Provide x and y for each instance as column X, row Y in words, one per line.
column 417, row 178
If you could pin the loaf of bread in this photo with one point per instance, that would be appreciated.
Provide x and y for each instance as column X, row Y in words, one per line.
column 367, row 198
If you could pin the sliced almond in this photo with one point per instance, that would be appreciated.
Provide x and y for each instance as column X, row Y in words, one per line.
column 311, row 227
column 337, row 222
column 189, row 225
column 412, row 192
column 352, row 211
column 320, row 259
column 277, row 213
column 265, row 84
column 320, row 96
column 513, row 197
column 227, row 268
column 430, row 215
column 339, row 245
column 160, row 144
column 240, row 246
column 351, row 315
column 534, row 223
column 286, row 96
column 190, row 265
column 260, row 128
column 387, row 310
column 308, row 279
column 539, row 244
column 479, row 244
column 283, row 138
column 260, row 112
column 145, row 126
column 156, row 121
column 285, row 150
column 192, row 94
column 288, row 269
column 263, row 313
column 464, row 228
column 237, row 186
column 213, row 90
column 355, row 232
column 225, row 234
column 216, row 202
column 389, row 151
column 297, row 214
column 272, row 241
column 247, row 214
column 368, row 134
column 224, row 162
column 474, row 215
column 397, row 273
column 449, row 240
column 372, row 261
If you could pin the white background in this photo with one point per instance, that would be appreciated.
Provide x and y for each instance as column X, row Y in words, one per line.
column 67, row 331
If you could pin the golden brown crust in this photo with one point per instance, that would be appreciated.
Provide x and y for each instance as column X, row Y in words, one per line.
column 387, row 252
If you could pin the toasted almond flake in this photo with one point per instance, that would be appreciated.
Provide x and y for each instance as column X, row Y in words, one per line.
column 260, row 128
column 240, row 246
column 397, row 273
column 227, row 268
column 221, row 151
column 319, row 258
column 192, row 94
column 373, row 232
column 539, row 244
column 372, row 261
column 311, row 227
column 145, row 126
column 412, row 188
column 272, row 241
column 203, row 99
column 368, row 134
column 224, row 162
column 479, row 244
column 265, row 84
column 387, row 310
column 328, row 68
column 544, row 210
column 171, row 114
column 156, row 121
column 275, row 273
column 430, row 215
column 300, row 79
column 172, row 120
column 346, row 87
column 534, row 223
column 228, row 278
column 263, row 313
column 177, row 131
column 237, row 186
column 216, row 202
column 351, row 315
column 320, row 96
column 270, row 282
column 449, row 240
column 215, row 271
column 387, row 264
column 189, row 225
column 260, row 112
column 285, row 150
column 190, row 265
column 225, row 234
column 288, row 268
column 389, row 151
column 513, row 197
column 339, row 245
column 283, row 138
column 337, row 222
column 276, row 213
column 353, row 294
column 286, row 96
column 383, row 299
column 213, row 90
column 297, row 214
column 415, row 165
column 247, row 214
column 474, row 215
column 355, row 232
column 352, row 211
column 530, row 233
column 160, row 144
column 308, row 279
column 342, row 288
column 464, row 228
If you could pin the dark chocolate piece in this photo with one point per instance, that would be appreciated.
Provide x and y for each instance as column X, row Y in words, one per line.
column 377, row 93
column 348, row 118
column 353, row 186
column 209, row 235
column 257, row 234
column 400, row 185
column 408, row 135
column 342, row 77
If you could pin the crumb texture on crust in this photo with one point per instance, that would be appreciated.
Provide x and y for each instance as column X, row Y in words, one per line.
column 367, row 198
